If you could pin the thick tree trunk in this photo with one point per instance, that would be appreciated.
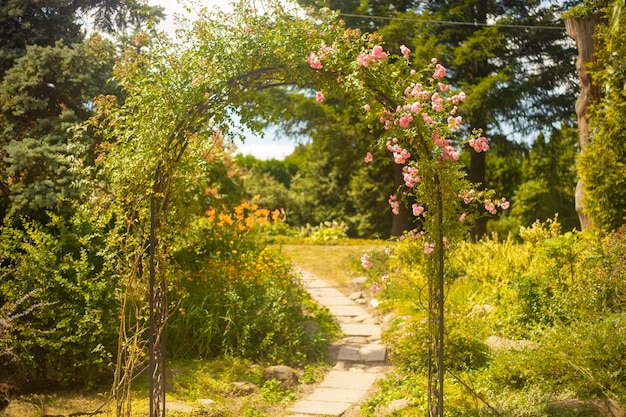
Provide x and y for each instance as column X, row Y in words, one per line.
column 582, row 29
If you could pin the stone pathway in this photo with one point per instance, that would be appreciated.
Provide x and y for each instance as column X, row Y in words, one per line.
column 361, row 357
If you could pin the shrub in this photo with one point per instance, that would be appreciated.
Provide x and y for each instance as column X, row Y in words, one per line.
column 328, row 231
column 61, row 268
column 602, row 284
column 584, row 358
column 238, row 298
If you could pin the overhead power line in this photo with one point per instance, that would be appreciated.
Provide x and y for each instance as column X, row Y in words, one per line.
column 454, row 23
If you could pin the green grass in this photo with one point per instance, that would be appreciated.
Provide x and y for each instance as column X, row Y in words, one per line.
column 331, row 263
column 188, row 381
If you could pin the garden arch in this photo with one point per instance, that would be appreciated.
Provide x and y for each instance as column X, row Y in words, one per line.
column 177, row 95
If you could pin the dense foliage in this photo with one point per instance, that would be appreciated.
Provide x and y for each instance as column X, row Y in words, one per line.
column 239, row 298
column 74, row 246
column 497, row 57
column 603, row 164
column 533, row 329
column 60, row 278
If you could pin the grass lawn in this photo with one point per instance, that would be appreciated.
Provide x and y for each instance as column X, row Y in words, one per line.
column 337, row 263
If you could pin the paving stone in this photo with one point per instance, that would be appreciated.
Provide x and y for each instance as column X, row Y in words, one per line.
column 325, row 292
column 346, row 379
column 374, row 338
column 348, row 382
column 349, row 353
column 334, row 301
column 325, row 408
column 373, row 353
column 362, row 318
column 355, row 340
column 350, row 310
column 366, row 330
column 344, row 319
column 342, row 395
column 316, row 283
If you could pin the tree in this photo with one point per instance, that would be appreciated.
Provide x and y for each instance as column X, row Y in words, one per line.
column 508, row 71
column 43, row 23
column 325, row 186
column 49, row 75
column 602, row 165
column 549, row 181
column 44, row 95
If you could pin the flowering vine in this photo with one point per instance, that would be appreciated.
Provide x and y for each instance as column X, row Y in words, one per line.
column 419, row 114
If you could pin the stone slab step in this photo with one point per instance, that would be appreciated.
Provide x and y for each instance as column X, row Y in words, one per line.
column 349, row 380
column 358, row 353
column 340, row 395
column 366, row 330
column 314, row 283
column 346, row 310
column 323, row 408
column 325, row 292
column 334, row 300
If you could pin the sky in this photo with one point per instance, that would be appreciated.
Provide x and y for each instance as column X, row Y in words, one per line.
column 274, row 145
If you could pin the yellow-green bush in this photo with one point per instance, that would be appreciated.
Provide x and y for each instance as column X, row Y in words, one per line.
column 564, row 292
column 236, row 297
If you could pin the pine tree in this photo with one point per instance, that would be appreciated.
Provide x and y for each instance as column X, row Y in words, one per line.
column 49, row 75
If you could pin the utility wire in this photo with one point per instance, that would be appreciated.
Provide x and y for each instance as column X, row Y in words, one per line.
column 451, row 22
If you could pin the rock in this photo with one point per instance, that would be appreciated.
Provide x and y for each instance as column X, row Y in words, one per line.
column 311, row 326
column 360, row 301
column 607, row 407
column 393, row 407
column 285, row 374
column 341, row 366
column 245, row 387
column 479, row 310
column 206, row 402
column 173, row 406
column 356, row 295
column 358, row 367
column 174, row 372
column 359, row 280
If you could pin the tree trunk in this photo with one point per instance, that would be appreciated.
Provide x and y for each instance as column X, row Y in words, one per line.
column 581, row 29
column 477, row 175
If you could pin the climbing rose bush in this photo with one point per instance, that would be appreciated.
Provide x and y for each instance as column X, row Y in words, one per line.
column 423, row 134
